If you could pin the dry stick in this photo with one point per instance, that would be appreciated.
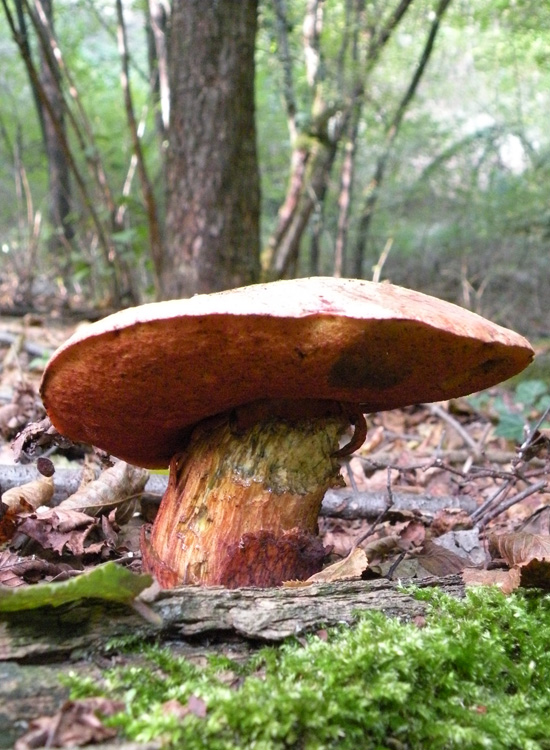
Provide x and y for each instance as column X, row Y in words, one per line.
column 483, row 515
column 437, row 411
column 502, row 490
column 531, row 435
column 351, row 478
column 512, row 501
column 379, row 517
column 377, row 268
column 383, row 459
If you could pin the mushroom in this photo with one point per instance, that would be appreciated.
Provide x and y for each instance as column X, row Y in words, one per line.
column 246, row 395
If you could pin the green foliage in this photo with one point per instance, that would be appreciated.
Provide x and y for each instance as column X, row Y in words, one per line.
column 464, row 197
column 529, row 400
column 110, row 582
column 476, row 676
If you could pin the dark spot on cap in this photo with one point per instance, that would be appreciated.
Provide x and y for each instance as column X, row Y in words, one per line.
column 490, row 365
column 356, row 369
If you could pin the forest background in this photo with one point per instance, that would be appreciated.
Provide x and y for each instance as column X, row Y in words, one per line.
column 404, row 140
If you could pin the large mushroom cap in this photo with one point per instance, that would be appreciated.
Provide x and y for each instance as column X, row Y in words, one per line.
column 133, row 383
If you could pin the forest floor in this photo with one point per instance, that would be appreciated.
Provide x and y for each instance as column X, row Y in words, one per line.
column 445, row 494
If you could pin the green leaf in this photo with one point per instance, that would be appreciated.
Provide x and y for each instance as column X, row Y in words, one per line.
column 543, row 403
column 528, row 391
column 109, row 581
column 125, row 235
column 510, row 426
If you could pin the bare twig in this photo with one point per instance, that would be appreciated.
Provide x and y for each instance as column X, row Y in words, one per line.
column 361, row 538
column 439, row 412
column 503, row 490
column 531, row 436
column 530, row 490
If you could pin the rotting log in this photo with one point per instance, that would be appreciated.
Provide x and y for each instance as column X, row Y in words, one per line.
column 269, row 615
column 39, row 646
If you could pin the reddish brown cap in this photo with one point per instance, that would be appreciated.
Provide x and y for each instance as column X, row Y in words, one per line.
column 133, row 383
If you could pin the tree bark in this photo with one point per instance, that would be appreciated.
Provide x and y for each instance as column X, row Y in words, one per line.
column 157, row 13
column 269, row 615
column 213, row 194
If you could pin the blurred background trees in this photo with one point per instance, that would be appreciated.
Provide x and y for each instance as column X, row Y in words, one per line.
column 403, row 140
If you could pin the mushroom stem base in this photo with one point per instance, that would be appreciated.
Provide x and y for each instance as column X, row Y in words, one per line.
column 242, row 503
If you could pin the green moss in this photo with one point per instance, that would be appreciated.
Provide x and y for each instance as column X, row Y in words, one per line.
column 476, row 676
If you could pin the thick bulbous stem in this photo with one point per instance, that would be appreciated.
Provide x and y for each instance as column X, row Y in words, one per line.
column 243, row 500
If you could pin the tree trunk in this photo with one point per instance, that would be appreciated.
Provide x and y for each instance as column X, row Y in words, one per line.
column 213, row 193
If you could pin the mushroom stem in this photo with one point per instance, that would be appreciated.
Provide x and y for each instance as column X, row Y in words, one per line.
column 243, row 500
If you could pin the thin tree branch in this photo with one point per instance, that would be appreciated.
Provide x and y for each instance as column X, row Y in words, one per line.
column 81, row 183
column 379, row 41
column 373, row 189
column 502, row 507
column 82, row 128
column 146, row 187
column 286, row 63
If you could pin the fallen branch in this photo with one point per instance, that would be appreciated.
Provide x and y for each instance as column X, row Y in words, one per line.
column 341, row 503
column 34, row 350
column 345, row 503
column 269, row 615
column 425, row 458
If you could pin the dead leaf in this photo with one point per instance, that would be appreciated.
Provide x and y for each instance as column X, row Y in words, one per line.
column 439, row 561
column 348, row 569
column 19, row 500
column 9, row 419
column 197, row 706
column 520, row 547
column 412, row 535
column 506, row 580
column 37, row 437
column 25, row 407
column 174, row 708
column 18, row 571
column 537, row 447
column 69, row 532
column 381, row 548
column 115, row 487
column 28, row 497
column 450, row 519
column 536, row 574
column 420, row 621
column 76, row 723
column 194, row 705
